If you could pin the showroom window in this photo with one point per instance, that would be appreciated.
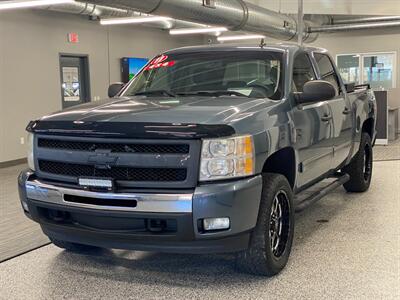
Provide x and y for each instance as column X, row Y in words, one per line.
column 377, row 69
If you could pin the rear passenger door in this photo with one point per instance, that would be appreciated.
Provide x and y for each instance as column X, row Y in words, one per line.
column 312, row 125
column 340, row 111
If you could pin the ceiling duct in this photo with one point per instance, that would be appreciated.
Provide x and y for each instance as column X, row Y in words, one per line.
column 88, row 9
column 100, row 11
column 364, row 20
column 350, row 27
column 233, row 14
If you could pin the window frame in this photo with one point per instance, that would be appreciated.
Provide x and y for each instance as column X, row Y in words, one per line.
column 361, row 56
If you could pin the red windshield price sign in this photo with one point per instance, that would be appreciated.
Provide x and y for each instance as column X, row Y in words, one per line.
column 160, row 62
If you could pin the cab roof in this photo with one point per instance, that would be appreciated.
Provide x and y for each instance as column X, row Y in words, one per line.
column 244, row 47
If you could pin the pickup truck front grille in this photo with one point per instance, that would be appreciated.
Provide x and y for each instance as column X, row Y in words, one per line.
column 113, row 147
column 117, row 173
column 132, row 163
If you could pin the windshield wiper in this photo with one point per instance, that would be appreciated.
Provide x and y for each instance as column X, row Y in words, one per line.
column 154, row 93
column 213, row 93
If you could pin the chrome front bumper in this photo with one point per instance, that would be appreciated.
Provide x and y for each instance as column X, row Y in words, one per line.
column 155, row 203
column 127, row 227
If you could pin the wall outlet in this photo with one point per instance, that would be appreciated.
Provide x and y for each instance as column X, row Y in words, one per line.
column 22, row 140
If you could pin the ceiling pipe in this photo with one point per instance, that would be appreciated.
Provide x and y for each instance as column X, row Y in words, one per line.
column 364, row 20
column 350, row 27
column 100, row 11
column 236, row 15
column 91, row 10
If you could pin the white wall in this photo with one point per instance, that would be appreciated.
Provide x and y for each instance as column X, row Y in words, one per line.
column 30, row 43
column 2, row 60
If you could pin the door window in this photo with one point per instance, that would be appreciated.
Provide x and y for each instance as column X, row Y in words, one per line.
column 74, row 73
column 303, row 72
column 70, row 84
column 327, row 70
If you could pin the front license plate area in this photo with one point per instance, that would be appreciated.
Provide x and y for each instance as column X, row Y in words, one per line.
column 93, row 183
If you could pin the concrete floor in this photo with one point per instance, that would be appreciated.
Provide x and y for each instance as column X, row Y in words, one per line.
column 18, row 234
column 388, row 152
column 346, row 246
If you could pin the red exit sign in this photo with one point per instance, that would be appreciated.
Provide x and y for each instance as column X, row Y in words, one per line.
column 73, row 37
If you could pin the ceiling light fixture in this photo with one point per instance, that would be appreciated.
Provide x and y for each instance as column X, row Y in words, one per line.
column 240, row 37
column 134, row 20
column 197, row 30
column 29, row 3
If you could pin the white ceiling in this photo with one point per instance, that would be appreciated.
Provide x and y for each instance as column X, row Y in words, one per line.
column 346, row 7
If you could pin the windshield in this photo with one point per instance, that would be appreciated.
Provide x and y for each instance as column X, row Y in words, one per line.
column 255, row 74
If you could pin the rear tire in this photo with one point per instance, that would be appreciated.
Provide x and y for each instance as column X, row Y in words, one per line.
column 272, row 238
column 360, row 167
column 73, row 247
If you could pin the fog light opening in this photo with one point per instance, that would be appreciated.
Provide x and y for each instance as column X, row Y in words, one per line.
column 212, row 224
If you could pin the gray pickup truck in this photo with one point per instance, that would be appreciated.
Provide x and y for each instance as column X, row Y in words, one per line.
column 207, row 150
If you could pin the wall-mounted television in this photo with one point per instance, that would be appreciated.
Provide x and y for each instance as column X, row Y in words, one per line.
column 131, row 66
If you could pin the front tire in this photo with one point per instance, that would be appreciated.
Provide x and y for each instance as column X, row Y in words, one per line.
column 360, row 168
column 272, row 238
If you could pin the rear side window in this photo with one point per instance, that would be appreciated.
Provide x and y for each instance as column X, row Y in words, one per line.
column 302, row 72
column 327, row 71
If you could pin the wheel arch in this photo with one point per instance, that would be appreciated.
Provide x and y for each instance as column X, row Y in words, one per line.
column 368, row 127
column 283, row 162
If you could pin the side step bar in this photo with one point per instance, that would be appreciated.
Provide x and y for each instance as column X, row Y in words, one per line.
column 302, row 204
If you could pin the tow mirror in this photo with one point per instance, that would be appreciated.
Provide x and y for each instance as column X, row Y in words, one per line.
column 114, row 89
column 316, row 90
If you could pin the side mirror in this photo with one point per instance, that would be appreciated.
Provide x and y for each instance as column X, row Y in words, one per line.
column 350, row 87
column 114, row 89
column 316, row 90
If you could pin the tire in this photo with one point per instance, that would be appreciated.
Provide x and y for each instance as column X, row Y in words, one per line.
column 360, row 167
column 73, row 247
column 266, row 255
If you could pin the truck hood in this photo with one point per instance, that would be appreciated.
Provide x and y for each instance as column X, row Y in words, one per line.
column 199, row 110
column 152, row 117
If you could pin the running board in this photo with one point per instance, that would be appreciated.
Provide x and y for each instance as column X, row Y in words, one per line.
column 303, row 202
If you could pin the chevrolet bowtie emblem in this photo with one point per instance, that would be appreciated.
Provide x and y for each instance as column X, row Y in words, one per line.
column 103, row 160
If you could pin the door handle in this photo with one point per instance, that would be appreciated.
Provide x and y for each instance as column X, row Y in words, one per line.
column 346, row 111
column 326, row 118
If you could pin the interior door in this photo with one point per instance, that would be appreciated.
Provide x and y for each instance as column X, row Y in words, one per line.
column 74, row 80
column 313, row 126
column 342, row 130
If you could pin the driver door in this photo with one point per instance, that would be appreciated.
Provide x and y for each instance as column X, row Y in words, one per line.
column 313, row 127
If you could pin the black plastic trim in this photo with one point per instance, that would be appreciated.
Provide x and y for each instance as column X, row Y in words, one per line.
column 130, row 130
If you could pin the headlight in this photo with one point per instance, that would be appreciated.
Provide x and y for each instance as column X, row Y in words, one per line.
column 31, row 161
column 227, row 158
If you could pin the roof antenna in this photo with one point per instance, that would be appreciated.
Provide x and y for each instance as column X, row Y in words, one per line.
column 263, row 43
